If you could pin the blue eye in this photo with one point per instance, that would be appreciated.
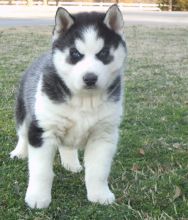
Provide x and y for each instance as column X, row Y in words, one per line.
column 75, row 55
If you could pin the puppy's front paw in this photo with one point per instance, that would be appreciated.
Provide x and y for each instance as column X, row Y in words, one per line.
column 103, row 197
column 37, row 199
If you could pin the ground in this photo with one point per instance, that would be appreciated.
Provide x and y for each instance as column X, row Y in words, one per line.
column 150, row 172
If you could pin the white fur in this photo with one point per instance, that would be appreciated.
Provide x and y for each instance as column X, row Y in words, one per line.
column 71, row 122
column 69, row 159
column 88, row 47
column 98, row 157
column 41, row 175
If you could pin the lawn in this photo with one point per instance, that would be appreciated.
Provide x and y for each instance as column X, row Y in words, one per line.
column 150, row 172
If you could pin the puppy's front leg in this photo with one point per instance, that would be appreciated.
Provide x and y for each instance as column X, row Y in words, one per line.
column 98, row 158
column 41, row 175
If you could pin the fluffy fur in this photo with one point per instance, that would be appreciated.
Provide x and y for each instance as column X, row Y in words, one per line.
column 71, row 98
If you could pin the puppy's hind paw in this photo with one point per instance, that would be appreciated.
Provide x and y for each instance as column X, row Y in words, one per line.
column 18, row 154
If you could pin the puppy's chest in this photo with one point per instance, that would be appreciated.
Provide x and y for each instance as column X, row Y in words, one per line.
column 72, row 126
column 77, row 129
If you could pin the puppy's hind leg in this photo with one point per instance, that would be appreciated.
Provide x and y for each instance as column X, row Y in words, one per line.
column 21, row 149
column 69, row 159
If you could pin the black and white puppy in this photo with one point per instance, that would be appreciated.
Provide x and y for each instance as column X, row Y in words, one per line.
column 70, row 99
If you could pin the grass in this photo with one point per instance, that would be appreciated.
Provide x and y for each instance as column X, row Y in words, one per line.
column 150, row 171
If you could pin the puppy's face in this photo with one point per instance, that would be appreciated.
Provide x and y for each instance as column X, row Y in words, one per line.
column 88, row 49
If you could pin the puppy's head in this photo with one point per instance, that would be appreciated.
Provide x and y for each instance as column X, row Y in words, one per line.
column 89, row 49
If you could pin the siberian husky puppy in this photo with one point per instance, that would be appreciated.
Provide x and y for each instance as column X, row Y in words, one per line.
column 71, row 98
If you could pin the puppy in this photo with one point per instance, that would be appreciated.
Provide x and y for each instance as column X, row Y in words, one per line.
column 71, row 98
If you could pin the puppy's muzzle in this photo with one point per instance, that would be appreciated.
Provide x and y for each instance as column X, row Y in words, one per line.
column 90, row 80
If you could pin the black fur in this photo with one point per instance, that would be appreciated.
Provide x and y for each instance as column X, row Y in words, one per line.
column 74, row 56
column 104, row 56
column 114, row 90
column 20, row 108
column 35, row 134
column 54, row 86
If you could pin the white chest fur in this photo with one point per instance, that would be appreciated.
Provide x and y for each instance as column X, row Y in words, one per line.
column 72, row 123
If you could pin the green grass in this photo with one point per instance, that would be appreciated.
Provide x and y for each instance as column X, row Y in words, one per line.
column 150, row 172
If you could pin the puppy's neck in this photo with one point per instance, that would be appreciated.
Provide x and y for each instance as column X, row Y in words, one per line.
column 87, row 101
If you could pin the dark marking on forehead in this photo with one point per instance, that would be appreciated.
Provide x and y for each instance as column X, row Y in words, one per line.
column 111, row 39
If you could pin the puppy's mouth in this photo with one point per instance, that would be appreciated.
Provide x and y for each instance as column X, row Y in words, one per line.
column 91, row 87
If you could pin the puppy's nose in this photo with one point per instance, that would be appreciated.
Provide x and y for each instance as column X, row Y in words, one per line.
column 90, row 79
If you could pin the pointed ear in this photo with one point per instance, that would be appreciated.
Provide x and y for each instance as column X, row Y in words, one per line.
column 63, row 21
column 114, row 19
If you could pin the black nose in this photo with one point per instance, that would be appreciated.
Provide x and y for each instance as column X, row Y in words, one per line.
column 90, row 79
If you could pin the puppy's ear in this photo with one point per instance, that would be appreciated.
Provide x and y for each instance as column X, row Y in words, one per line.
column 63, row 21
column 114, row 19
